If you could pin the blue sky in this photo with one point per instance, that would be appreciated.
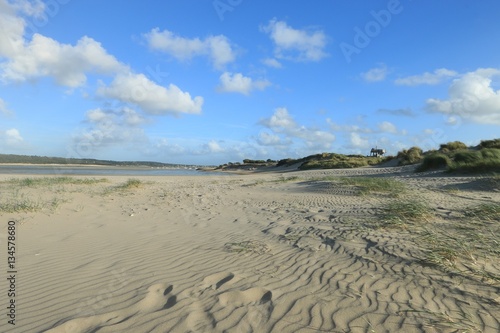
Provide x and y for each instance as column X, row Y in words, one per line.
column 212, row 81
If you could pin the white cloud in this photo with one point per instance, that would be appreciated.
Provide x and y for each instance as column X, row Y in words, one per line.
column 280, row 120
column 67, row 64
column 152, row 98
column 271, row 62
column 163, row 146
column 238, row 83
column 217, row 48
column 13, row 137
column 270, row 139
column 28, row 60
column 471, row 97
column 124, row 116
column 282, row 123
column 109, row 127
column 387, row 127
column 3, row 108
column 375, row 74
column 438, row 76
column 295, row 44
column 356, row 141
column 213, row 147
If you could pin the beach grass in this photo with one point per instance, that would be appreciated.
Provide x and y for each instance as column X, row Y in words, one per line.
column 434, row 161
column 131, row 183
column 465, row 244
column 484, row 212
column 20, row 204
column 400, row 212
column 17, row 202
column 369, row 185
column 48, row 181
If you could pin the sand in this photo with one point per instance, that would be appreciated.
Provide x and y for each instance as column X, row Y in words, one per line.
column 260, row 252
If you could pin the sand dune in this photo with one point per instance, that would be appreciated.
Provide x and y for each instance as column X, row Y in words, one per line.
column 247, row 253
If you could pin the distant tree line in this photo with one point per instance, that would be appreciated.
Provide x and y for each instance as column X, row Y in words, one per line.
column 10, row 158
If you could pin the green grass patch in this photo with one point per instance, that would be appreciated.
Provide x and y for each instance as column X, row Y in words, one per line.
column 367, row 185
column 130, row 184
column 458, row 248
column 399, row 213
column 284, row 179
column 20, row 205
column 47, row 181
column 484, row 212
column 465, row 244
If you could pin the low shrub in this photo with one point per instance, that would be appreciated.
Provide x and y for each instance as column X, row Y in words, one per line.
column 451, row 146
column 467, row 156
column 410, row 156
column 479, row 166
column 495, row 143
column 434, row 161
column 490, row 153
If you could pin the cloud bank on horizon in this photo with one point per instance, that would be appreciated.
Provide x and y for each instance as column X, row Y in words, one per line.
column 217, row 81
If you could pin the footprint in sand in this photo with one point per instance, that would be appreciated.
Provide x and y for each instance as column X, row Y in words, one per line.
column 157, row 298
column 258, row 306
column 199, row 318
column 250, row 296
column 211, row 282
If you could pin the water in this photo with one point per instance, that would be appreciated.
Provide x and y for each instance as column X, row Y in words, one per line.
column 99, row 171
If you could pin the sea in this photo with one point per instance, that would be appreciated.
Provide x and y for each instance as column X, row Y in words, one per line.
column 58, row 170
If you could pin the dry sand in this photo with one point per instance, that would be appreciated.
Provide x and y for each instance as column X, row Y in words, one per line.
column 242, row 253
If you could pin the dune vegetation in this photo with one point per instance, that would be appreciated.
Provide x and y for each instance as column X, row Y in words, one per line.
column 485, row 158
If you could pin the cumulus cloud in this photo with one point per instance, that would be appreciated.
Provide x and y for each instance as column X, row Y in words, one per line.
column 356, row 141
column 137, row 89
column 281, row 122
column 438, row 76
column 109, row 127
column 387, row 127
column 13, row 137
column 375, row 74
column 269, row 139
column 217, row 48
column 296, row 44
column 214, row 147
column 471, row 96
column 237, row 83
column 67, row 64
column 28, row 60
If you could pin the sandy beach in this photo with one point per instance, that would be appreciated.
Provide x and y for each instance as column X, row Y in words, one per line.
column 299, row 251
